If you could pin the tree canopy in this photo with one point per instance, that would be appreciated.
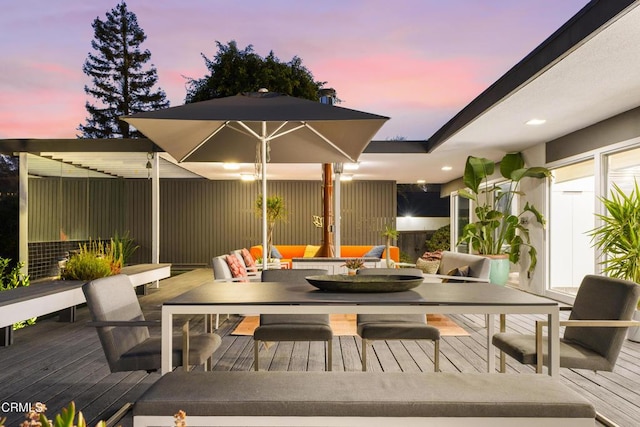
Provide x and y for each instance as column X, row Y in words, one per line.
column 233, row 71
column 120, row 82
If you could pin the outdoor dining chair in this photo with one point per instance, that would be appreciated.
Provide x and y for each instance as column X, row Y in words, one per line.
column 293, row 327
column 124, row 332
column 594, row 333
column 396, row 326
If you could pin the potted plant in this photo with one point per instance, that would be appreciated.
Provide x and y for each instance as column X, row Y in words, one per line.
column 618, row 238
column 389, row 233
column 353, row 265
column 497, row 232
column 276, row 212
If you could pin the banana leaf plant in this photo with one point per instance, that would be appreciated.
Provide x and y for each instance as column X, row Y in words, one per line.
column 496, row 230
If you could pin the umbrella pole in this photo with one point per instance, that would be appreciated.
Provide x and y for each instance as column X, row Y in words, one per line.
column 266, row 251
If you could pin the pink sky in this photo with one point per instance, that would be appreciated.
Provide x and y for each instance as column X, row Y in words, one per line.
column 416, row 61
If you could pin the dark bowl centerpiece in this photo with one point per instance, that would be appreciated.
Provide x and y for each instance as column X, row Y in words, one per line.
column 365, row 283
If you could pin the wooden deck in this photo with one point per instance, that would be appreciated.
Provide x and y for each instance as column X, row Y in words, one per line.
column 55, row 362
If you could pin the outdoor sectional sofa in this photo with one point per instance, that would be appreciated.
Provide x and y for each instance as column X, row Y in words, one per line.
column 289, row 252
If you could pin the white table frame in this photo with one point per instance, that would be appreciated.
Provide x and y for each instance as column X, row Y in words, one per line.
column 538, row 305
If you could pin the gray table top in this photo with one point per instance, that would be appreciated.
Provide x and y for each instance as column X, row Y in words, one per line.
column 272, row 293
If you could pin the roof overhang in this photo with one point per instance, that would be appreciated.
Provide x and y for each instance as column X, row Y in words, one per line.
column 584, row 73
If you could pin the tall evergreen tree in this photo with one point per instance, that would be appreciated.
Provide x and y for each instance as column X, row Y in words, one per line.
column 120, row 84
column 233, row 71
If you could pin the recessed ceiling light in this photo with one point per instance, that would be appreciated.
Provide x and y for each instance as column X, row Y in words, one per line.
column 231, row 166
column 351, row 166
column 247, row 177
column 446, row 168
column 421, row 181
column 536, row 122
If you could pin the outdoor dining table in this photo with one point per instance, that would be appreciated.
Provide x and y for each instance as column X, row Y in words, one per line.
column 287, row 298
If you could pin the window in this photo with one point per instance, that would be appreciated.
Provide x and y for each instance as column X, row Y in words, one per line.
column 623, row 168
column 460, row 210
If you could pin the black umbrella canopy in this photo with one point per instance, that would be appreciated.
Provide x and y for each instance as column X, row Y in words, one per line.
column 282, row 129
column 228, row 129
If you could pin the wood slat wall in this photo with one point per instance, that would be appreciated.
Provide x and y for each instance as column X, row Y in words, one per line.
column 200, row 218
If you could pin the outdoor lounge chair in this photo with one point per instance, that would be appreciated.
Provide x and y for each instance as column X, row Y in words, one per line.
column 124, row 334
column 293, row 327
column 595, row 331
column 478, row 267
column 396, row 326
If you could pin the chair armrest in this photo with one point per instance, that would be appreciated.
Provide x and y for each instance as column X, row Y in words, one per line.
column 595, row 323
column 128, row 323
column 458, row 278
column 579, row 323
column 235, row 279
column 404, row 264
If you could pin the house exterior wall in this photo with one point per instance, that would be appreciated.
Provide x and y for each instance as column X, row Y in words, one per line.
column 535, row 193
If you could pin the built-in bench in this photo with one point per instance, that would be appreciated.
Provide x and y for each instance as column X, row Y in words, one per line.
column 42, row 298
column 240, row 398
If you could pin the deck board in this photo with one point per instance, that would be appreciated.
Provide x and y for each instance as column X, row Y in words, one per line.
column 56, row 362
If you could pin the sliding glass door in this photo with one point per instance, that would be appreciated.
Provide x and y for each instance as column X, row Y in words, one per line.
column 571, row 216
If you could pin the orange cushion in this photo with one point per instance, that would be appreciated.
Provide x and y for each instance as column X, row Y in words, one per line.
column 346, row 251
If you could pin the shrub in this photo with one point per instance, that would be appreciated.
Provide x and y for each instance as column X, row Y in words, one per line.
column 92, row 261
column 11, row 278
column 123, row 247
column 440, row 240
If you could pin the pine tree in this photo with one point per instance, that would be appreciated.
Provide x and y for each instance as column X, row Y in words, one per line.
column 119, row 82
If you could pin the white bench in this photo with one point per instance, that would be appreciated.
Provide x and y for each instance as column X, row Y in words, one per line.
column 39, row 299
column 240, row 398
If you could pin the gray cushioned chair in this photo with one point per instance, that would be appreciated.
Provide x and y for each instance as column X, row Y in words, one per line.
column 479, row 266
column 595, row 331
column 396, row 326
column 293, row 327
column 222, row 273
column 124, row 332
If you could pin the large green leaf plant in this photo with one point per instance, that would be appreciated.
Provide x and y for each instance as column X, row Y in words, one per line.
column 619, row 235
column 497, row 230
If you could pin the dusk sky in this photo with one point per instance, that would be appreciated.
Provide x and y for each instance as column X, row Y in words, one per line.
column 416, row 61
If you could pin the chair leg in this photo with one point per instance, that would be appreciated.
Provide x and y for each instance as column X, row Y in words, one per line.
column 436, row 356
column 364, row 355
column 539, row 353
column 185, row 346
column 256, row 351
column 503, row 356
column 329, row 366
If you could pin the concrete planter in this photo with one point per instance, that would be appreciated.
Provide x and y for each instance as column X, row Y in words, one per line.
column 634, row 333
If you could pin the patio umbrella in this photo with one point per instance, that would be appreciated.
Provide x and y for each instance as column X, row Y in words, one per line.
column 259, row 127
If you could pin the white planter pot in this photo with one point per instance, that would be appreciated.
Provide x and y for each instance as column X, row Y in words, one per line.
column 634, row 333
